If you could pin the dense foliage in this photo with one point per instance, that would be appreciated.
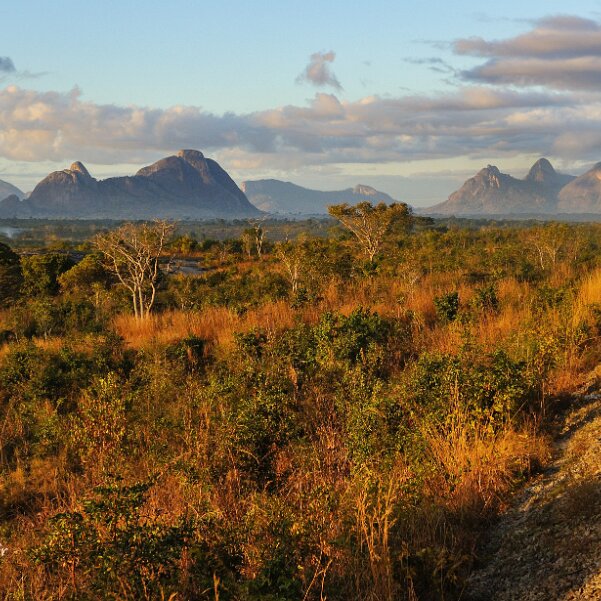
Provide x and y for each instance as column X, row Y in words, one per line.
column 293, row 421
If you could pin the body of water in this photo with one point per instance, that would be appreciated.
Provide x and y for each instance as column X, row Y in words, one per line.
column 10, row 232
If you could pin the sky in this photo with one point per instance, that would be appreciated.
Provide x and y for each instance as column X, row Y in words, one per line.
column 409, row 97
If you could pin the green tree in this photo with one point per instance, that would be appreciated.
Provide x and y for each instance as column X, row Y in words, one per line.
column 84, row 277
column 370, row 223
column 41, row 273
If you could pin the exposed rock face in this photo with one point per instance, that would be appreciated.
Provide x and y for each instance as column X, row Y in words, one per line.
column 276, row 196
column 583, row 194
column 7, row 189
column 547, row 545
column 186, row 185
column 491, row 192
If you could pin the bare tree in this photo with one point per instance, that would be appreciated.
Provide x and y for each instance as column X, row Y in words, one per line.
column 370, row 223
column 549, row 241
column 259, row 238
column 132, row 253
column 247, row 239
column 253, row 237
column 293, row 258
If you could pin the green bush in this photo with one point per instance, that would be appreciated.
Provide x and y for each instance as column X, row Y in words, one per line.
column 188, row 352
column 110, row 548
column 447, row 306
column 486, row 298
column 11, row 275
column 41, row 273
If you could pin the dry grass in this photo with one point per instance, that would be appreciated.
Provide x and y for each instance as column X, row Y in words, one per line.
column 476, row 469
column 589, row 294
column 217, row 324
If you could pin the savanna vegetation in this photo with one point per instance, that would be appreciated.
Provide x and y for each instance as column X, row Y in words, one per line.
column 304, row 416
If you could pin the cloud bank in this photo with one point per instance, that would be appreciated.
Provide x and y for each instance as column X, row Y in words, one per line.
column 56, row 126
column 561, row 52
column 536, row 93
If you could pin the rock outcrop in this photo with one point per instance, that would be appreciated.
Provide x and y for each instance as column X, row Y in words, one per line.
column 491, row 192
column 183, row 186
column 548, row 543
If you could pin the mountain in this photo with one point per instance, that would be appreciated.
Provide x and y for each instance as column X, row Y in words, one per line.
column 275, row 196
column 583, row 194
column 491, row 192
column 7, row 189
column 542, row 172
column 183, row 186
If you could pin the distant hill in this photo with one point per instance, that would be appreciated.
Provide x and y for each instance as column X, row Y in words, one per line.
column 275, row 196
column 491, row 192
column 7, row 189
column 182, row 186
column 582, row 194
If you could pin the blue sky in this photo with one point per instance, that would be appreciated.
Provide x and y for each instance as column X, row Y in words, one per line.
column 116, row 84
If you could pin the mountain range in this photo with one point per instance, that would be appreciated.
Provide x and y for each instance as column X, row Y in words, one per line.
column 275, row 196
column 189, row 186
column 182, row 186
column 542, row 191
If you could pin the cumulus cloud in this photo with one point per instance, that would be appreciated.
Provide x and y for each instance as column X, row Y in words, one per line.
column 473, row 121
column 559, row 52
column 318, row 71
column 558, row 55
column 6, row 65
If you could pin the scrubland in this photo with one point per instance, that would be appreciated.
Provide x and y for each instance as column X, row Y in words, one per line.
column 346, row 433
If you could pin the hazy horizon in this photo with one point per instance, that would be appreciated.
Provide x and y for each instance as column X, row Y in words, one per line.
column 326, row 97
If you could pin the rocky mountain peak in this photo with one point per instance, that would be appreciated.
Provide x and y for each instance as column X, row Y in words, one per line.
column 541, row 171
column 182, row 186
column 277, row 196
column 364, row 190
column 194, row 158
column 7, row 189
column 79, row 167
column 190, row 155
column 491, row 176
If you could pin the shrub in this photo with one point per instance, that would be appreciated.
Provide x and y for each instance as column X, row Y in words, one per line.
column 447, row 306
column 188, row 351
column 111, row 549
column 486, row 298
column 348, row 339
column 11, row 276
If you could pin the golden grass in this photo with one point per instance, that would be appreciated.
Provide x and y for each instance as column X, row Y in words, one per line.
column 476, row 469
column 588, row 294
column 217, row 324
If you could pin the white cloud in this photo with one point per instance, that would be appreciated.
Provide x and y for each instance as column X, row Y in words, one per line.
column 55, row 126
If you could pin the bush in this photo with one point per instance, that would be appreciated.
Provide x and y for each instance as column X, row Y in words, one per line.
column 111, row 549
column 349, row 339
column 188, row 351
column 11, row 276
column 447, row 306
column 486, row 299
